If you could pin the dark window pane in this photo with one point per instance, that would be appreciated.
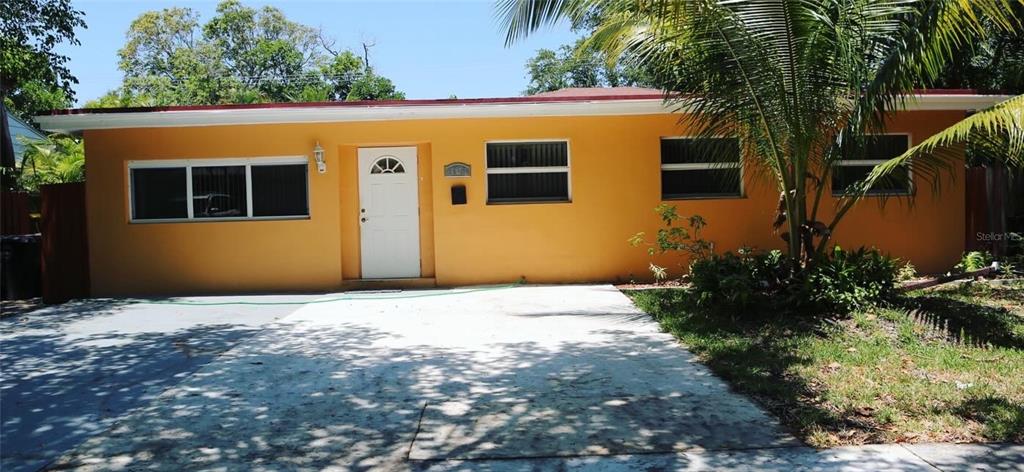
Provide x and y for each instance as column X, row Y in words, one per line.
column 554, row 154
column 886, row 146
column 700, row 183
column 218, row 192
column 689, row 151
column 882, row 147
column 540, row 187
column 898, row 181
column 159, row 193
column 279, row 190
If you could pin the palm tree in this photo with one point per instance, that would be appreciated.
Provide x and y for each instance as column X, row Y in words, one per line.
column 54, row 160
column 801, row 83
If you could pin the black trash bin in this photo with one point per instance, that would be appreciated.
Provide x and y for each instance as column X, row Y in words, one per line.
column 20, row 264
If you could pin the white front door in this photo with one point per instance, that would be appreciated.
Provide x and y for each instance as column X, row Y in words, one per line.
column 389, row 212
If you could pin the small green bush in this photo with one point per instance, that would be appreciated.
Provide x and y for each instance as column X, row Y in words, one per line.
column 906, row 273
column 674, row 238
column 738, row 283
column 850, row 280
column 974, row 260
column 751, row 283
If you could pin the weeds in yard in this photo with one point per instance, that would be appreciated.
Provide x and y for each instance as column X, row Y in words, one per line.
column 879, row 375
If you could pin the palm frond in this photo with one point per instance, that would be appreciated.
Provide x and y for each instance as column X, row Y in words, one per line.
column 519, row 18
column 55, row 159
column 1000, row 129
column 930, row 35
column 801, row 83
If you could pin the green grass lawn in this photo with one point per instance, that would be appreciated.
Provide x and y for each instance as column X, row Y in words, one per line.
column 943, row 365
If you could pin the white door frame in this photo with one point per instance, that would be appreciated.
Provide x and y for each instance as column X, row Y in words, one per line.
column 389, row 220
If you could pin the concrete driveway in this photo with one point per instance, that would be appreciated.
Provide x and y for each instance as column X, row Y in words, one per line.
column 439, row 379
column 70, row 371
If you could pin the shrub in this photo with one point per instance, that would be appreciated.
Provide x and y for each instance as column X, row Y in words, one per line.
column 674, row 238
column 740, row 283
column 974, row 260
column 757, row 283
column 906, row 272
column 850, row 280
column 750, row 283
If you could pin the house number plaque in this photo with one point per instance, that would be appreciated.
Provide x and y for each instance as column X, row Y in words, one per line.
column 456, row 169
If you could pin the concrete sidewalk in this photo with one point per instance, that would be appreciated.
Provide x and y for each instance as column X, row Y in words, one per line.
column 871, row 458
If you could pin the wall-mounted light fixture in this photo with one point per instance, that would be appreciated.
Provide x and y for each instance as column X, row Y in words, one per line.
column 318, row 156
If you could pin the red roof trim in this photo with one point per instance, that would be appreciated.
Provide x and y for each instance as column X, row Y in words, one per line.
column 418, row 102
column 355, row 104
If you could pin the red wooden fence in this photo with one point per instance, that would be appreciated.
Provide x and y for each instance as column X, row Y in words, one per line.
column 65, row 245
column 986, row 209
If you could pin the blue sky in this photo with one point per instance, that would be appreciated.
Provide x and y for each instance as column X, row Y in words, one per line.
column 430, row 49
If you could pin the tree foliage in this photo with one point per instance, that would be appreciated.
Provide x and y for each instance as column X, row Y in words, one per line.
column 994, row 63
column 802, row 84
column 33, row 77
column 241, row 55
column 576, row 65
column 580, row 64
column 57, row 159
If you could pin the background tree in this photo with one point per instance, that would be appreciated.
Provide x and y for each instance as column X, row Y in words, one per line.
column 241, row 55
column 57, row 159
column 802, row 84
column 370, row 86
column 581, row 65
column 34, row 78
column 993, row 64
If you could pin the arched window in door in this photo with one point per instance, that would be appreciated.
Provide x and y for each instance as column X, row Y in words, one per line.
column 387, row 165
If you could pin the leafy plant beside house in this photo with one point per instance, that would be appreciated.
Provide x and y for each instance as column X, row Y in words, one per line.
column 907, row 272
column 674, row 238
column 54, row 160
column 752, row 283
column 851, row 280
column 974, row 260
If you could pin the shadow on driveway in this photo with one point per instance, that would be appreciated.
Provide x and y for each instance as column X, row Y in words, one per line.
column 72, row 370
column 404, row 384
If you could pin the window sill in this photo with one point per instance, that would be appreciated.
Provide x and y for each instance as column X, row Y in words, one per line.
column 703, row 197
column 528, row 202
column 878, row 194
column 217, row 220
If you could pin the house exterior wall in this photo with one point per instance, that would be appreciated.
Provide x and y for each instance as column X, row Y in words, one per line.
column 615, row 182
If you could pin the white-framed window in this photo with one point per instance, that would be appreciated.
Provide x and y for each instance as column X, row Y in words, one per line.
column 527, row 171
column 218, row 189
column 700, row 168
column 878, row 149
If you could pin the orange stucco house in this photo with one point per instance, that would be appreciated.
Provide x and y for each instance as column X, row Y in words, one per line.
column 316, row 196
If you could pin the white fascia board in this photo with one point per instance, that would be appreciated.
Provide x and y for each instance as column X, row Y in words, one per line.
column 953, row 102
column 333, row 114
